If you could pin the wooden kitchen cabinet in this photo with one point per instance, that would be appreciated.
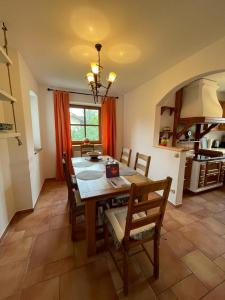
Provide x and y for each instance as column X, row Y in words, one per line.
column 187, row 173
column 210, row 173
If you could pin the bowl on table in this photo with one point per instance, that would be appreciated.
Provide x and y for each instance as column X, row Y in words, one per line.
column 94, row 155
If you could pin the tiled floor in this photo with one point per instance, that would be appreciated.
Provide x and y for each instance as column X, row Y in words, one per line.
column 38, row 260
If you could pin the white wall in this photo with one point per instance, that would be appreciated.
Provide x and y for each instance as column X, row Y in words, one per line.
column 21, row 177
column 142, row 119
column 35, row 159
column 48, row 126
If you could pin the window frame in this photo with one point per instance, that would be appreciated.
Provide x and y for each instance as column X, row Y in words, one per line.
column 87, row 125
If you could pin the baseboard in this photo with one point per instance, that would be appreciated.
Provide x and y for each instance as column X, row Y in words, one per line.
column 176, row 206
column 20, row 212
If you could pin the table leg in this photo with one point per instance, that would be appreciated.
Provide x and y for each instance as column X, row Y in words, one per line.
column 90, row 220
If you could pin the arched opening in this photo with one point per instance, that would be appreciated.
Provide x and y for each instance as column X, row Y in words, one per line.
column 164, row 122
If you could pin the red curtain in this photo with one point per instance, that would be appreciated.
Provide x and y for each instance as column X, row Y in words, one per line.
column 108, row 120
column 62, row 131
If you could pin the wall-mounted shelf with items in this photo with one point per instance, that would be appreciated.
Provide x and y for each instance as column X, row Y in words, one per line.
column 5, row 96
column 9, row 134
column 4, row 58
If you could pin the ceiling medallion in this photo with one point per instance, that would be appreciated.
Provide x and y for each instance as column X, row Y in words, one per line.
column 94, row 77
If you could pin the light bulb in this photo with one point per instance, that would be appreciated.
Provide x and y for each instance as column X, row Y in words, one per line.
column 112, row 77
column 95, row 68
column 90, row 77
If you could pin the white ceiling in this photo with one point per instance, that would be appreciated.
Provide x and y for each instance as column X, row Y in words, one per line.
column 140, row 38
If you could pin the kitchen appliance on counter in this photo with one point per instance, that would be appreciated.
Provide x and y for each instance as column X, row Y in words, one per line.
column 207, row 173
column 216, row 144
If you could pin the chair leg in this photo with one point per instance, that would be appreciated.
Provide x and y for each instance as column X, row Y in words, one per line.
column 125, row 273
column 156, row 257
column 106, row 236
column 73, row 223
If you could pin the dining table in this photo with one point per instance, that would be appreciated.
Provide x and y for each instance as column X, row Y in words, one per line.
column 94, row 187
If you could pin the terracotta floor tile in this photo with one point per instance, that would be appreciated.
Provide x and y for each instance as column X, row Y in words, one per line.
column 33, row 277
column 220, row 261
column 204, row 269
column 214, row 225
column 170, row 225
column 220, row 217
column 182, row 217
column 60, row 209
column 178, row 243
column 59, row 221
column 34, row 219
column 203, row 213
column 11, row 276
column 141, row 290
column 34, row 231
column 91, row 281
column 214, row 207
column 171, row 270
column 46, row 290
column 208, row 242
column 17, row 296
column 167, row 295
column 189, row 288
column 59, row 267
column 12, row 236
column 51, row 246
column 217, row 294
column 16, row 251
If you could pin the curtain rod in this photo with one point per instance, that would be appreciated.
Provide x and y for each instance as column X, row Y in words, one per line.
column 78, row 93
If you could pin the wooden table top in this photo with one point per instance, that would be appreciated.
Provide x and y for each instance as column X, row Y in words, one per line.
column 100, row 188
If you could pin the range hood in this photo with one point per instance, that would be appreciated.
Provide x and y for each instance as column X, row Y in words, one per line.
column 200, row 103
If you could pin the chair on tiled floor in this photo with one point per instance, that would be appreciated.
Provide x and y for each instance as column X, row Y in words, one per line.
column 125, row 156
column 142, row 164
column 138, row 223
column 76, row 206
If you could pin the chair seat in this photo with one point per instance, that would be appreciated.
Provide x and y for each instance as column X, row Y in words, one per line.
column 78, row 199
column 115, row 219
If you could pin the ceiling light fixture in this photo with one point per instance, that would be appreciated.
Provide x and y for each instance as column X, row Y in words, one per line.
column 94, row 77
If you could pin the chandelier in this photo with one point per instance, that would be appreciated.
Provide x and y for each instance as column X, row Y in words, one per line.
column 94, row 77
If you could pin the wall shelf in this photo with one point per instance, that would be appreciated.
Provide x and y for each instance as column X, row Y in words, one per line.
column 164, row 108
column 9, row 134
column 4, row 96
column 4, row 58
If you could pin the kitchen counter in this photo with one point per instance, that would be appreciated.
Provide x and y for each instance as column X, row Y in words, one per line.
column 207, row 158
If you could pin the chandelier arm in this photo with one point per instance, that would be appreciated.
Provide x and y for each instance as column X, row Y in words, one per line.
column 107, row 89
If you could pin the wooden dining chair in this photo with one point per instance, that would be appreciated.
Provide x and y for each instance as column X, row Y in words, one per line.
column 142, row 163
column 138, row 223
column 76, row 206
column 125, row 156
column 86, row 148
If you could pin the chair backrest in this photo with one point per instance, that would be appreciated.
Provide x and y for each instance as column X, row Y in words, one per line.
column 125, row 156
column 142, row 163
column 66, row 172
column 86, row 148
column 154, row 209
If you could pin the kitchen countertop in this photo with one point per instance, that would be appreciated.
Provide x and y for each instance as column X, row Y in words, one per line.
column 207, row 158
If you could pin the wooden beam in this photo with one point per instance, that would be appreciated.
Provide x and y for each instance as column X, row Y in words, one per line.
column 207, row 130
column 179, row 134
column 177, row 110
column 197, row 137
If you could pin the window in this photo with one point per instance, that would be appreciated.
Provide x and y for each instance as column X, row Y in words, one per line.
column 85, row 122
column 35, row 120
